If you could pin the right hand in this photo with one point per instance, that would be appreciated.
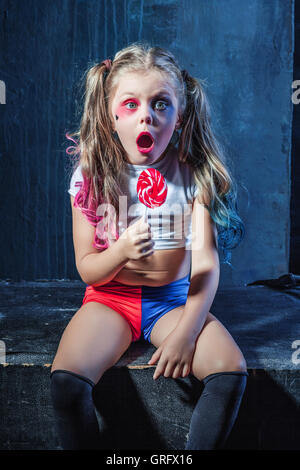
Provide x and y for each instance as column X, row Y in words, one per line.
column 137, row 240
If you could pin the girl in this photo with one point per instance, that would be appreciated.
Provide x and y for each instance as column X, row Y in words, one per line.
column 143, row 278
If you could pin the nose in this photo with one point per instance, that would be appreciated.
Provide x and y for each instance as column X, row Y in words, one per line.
column 147, row 120
column 146, row 116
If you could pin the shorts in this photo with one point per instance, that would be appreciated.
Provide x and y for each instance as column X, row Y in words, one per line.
column 141, row 306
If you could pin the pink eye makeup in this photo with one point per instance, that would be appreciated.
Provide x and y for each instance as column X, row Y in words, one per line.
column 158, row 101
column 131, row 104
column 121, row 112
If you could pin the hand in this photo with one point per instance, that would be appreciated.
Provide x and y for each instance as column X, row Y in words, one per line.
column 137, row 240
column 174, row 356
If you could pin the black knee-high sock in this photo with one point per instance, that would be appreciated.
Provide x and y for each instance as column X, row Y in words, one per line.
column 74, row 410
column 216, row 410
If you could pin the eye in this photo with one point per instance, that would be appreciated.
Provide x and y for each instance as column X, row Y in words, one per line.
column 164, row 103
column 130, row 102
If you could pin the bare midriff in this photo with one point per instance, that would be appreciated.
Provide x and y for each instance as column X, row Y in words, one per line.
column 161, row 268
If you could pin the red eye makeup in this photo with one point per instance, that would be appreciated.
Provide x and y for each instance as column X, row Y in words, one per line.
column 123, row 110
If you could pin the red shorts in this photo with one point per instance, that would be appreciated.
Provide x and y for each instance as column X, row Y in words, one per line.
column 141, row 306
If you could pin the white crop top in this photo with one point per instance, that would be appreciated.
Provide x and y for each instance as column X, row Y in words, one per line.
column 171, row 223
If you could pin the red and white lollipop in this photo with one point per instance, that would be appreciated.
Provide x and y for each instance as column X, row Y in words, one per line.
column 152, row 189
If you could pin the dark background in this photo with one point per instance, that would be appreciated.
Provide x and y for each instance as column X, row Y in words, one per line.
column 243, row 49
column 295, row 163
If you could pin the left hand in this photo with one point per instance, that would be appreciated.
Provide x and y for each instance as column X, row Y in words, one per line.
column 174, row 356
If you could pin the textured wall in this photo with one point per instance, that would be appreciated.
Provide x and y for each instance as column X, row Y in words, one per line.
column 295, row 161
column 245, row 54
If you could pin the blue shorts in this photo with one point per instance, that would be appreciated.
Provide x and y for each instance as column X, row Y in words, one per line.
column 141, row 306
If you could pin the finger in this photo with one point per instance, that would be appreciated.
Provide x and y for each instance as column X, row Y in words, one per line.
column 152, row 360
column 155, row 356
column 157, row 373
column 148, row 249
column 141, row 225
column 186, row 370
column 140, row 221
column 146, row 236
column 159, row 370
column 146, row 245
column 169, row 369
column 177, row 371
column 150, row 253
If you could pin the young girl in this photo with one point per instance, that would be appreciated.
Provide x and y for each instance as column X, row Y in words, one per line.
column 146, row 277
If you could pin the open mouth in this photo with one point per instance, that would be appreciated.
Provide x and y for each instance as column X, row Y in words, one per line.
column 145, row 142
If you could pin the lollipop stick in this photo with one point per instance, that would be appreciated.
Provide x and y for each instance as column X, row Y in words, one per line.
column 146, row 214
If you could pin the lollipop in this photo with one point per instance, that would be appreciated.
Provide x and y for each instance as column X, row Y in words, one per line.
column 152, row 188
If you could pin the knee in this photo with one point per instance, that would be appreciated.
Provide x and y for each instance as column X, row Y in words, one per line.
column 235, row 363
column 68, row 388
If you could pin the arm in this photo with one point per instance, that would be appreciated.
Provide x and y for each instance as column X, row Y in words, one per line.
column 99, row 268
column 94, row 267
column 205, row 273
column 176, row 351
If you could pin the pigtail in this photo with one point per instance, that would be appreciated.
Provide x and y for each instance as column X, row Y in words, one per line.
column 95, row 129
column 199, row 147
column 96, row 149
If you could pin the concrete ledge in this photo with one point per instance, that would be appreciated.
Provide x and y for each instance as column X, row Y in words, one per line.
column 134, row 411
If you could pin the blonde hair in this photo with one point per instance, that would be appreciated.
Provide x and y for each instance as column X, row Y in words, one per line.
column 102, row 157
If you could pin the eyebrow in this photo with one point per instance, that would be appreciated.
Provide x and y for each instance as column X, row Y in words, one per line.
column 160, row 92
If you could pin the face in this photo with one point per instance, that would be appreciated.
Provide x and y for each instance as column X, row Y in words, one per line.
column 144, row 102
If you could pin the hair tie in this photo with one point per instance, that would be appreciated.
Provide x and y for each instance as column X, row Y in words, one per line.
column 107, row 63
column 184, row 74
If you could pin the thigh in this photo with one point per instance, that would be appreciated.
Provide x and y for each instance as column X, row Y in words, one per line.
column 165, row 325
column 215, row 349
column 93, row 341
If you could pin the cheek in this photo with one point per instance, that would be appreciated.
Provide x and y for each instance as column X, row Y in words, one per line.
column 170, row 114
